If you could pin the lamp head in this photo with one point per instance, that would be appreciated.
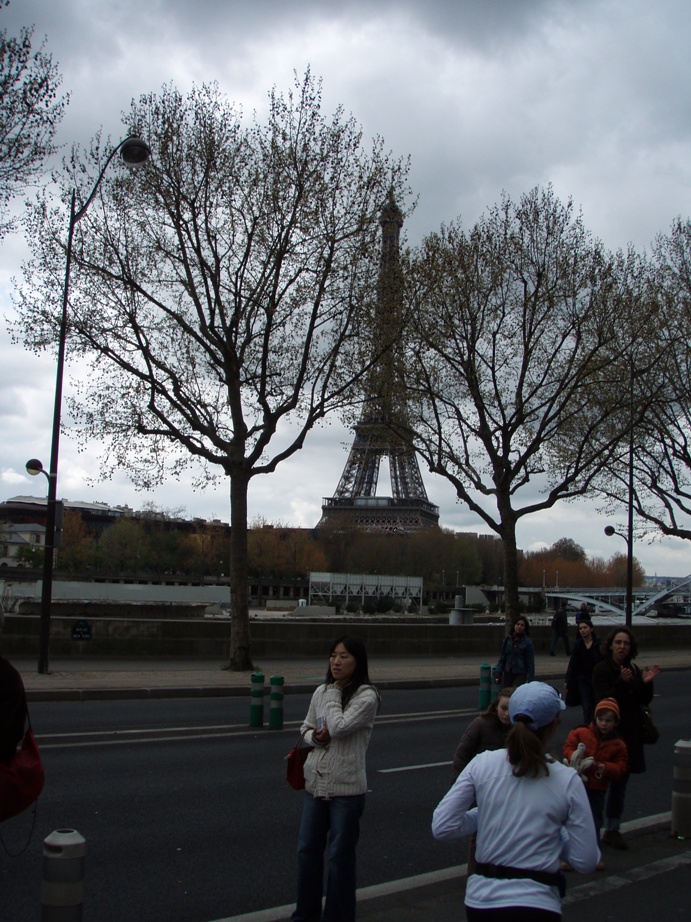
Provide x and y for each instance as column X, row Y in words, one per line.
column 609, row 530
column 34, row 467
column 134, row 151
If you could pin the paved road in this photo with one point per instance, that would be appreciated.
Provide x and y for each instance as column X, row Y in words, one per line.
column 187, row 817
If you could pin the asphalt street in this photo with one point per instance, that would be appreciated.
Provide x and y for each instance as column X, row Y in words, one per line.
column 188, row 819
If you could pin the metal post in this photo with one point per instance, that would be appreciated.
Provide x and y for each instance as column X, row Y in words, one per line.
column 629, row 539
column 62, row 888
column 257, row 700
column 49, row 547
column 681, row 790
column 276, row 703
column 133, row 151
column 485, row 695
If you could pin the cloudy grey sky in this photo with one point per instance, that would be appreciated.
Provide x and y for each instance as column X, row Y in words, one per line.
column 593, row 96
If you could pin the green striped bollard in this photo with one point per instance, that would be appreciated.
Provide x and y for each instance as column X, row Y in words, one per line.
column 485, row 686
column 276, row 703
column 257, row 699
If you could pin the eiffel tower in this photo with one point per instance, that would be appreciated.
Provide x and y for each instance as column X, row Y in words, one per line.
column 355, row 504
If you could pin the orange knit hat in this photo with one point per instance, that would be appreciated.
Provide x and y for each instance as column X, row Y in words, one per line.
column 608, row 704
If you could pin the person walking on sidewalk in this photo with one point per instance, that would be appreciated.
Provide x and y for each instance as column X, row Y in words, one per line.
column 516, row 663
column 618, row 677
column 599, row 756
column 339, row 723
column 560, row 630
column 586, row 654
column 531, row 812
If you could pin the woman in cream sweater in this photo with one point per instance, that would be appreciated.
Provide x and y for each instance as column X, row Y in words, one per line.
column 338, row 724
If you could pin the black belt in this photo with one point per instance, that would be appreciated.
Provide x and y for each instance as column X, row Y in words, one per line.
column 502, row 872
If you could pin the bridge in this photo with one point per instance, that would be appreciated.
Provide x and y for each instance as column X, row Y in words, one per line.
column 614, row 600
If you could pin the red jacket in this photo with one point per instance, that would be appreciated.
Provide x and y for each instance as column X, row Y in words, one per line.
column 610, row 752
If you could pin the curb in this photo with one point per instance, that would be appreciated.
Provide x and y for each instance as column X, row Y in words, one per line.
column 128, row 693
column 231, row 691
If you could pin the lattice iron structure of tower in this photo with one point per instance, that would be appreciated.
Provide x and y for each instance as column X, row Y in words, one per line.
column 381, row 430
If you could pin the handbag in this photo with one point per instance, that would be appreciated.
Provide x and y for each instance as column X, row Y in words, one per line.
column 22, row 778
column 649, row 732
column 295, row 763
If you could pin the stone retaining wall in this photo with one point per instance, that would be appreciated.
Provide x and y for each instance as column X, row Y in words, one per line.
column 288, row 638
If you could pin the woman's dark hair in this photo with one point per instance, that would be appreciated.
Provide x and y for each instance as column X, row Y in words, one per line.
column 524, row 620
column 491, row 711
column 609, row 641
column 356, row 647
column 526, row 749
column 586, row 619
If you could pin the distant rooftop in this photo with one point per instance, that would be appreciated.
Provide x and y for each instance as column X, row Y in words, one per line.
column 106, row 509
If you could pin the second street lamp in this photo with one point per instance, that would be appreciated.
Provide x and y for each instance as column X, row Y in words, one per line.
column 133, row 151
column 609, row 531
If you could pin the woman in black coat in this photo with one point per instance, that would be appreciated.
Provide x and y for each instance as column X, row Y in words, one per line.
column 618, row 677
column 586, row 654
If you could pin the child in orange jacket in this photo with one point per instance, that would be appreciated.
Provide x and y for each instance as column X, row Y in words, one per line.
column 603, row 759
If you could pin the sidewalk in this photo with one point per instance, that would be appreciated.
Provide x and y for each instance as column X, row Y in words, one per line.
column 82, row 678
column 439, row 894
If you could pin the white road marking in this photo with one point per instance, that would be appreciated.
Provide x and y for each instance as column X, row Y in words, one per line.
column 411, row 768
column 81, row 738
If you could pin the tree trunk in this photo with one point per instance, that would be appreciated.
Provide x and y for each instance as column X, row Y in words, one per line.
column 240, row 658
column 511, row 599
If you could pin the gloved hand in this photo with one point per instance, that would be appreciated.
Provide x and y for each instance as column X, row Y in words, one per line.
column 585, row 767
column 576, row 758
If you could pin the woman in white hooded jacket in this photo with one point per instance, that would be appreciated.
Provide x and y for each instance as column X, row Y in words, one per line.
column 531, row 813
column 339, row 723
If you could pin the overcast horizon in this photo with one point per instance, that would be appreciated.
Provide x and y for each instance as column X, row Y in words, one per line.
column 486, row 96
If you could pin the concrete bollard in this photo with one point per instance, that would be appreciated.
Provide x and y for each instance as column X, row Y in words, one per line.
column 257, row 699
column 276, row 703
column 62, row 888
column 681, row 790
column 485, row 695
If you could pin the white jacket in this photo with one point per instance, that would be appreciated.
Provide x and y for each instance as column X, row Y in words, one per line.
column 337, row 769
column 527, row 823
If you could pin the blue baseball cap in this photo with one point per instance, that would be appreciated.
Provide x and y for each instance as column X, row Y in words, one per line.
column 537, row 701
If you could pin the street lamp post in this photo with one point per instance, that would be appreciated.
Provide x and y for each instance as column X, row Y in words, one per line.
column 611, row 530
column 133, row 151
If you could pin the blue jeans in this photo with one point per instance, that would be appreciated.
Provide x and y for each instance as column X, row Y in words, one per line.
column 513, row 679
column 556, row 637
column 337, row 820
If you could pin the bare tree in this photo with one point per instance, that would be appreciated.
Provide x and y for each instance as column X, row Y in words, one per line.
column 661, row 461
column 221, row 294
column 30, row 112
column 510, row 339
